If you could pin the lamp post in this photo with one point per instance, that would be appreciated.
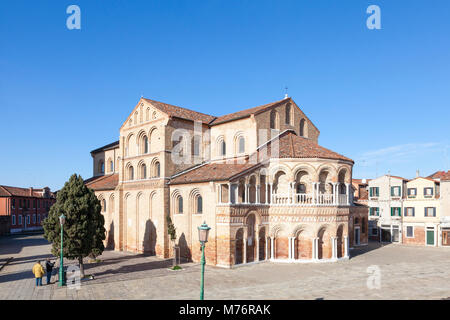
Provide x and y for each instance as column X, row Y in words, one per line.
column 62, row 219
column 203, row 231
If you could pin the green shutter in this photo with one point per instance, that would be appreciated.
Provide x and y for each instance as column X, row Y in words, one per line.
column 399, row 212
column 378, row 191
column 370, row 191
column 392, row 211
column 392, row 191
column 378, row 211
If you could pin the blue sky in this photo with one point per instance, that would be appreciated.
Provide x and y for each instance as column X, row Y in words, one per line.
column 380, row 97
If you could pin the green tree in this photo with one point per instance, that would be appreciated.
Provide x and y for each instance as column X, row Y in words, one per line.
column 83, row 231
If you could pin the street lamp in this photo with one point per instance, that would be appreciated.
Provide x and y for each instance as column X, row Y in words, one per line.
column 62, row 219
column 203, row 232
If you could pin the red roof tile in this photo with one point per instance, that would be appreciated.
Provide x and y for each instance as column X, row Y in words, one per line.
column 293, row 146
column 7, row 191
column 445, row 176
column 179, row 112
column 290, row 146
column 245, row 113
column 439, row 175
column 212, row 172
column 108, row 182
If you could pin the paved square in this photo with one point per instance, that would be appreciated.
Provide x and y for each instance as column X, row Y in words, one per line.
column 406, row 273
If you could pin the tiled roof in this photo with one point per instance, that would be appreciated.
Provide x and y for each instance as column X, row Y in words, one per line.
column 290, row 146
column 426, row 178
column 108, row 182
column 245, row 113
column 212, row 172
column 445, row 176
column 179, row 112
column 439, row 174
column 107, row 147
column 360, row 181
column 397, row 177
column 293, row 146
column 7, row 191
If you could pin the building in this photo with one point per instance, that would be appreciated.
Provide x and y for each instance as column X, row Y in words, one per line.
column 257, row 177
column 386, row 194
column 415, row 212
column 360, row 189
column 26, row 207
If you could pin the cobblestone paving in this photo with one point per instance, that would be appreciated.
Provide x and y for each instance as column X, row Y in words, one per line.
column 406, row 273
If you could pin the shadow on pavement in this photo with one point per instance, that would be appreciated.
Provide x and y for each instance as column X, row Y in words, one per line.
column 372, row 245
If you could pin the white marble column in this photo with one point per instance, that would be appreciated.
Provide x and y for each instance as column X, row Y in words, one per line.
column 258, row 196
column 257, row 245
column 270, row 192
column 244, row 243
column 229, row 192
column 346, row 253
column 266, row 200
column 267, row 248
column 333, row 249
column 347, row 185
column 290, row 248
column 293, row 248
column 334, row 194
column 246, row 194
column 220, row 193
column 313, row 192
column 272, row 248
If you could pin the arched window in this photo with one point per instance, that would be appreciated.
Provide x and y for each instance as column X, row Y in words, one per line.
column 111, row 166
column 302, row 128
column 288, row 114
column 199, row 204
column 101, row 166
column 145, row 141
column 103, row 205
column 131, row 173
column 143, row 171
column 301, row 188
column 274, row 120
column 222, row 148
column 147, row 114
column 241, row 145
column 157, row 170
column 180, row 204
column 196, row 145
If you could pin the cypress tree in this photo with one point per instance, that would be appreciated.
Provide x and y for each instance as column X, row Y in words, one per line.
column 83, row 230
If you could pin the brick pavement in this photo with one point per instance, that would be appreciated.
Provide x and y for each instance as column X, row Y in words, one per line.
column 406, row 273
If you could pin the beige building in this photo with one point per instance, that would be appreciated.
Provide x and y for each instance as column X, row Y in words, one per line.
column 257, row 177
column 421, row 213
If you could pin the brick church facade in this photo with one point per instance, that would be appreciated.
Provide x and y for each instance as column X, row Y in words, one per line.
column 258, row 177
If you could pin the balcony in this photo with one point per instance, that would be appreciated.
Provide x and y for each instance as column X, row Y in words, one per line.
column 247, row 194
column 309, row 199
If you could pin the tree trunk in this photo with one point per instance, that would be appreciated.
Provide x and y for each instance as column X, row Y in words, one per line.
column 80, row 262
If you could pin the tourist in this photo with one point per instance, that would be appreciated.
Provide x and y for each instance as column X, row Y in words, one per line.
column 49, row 268
column 38, row 272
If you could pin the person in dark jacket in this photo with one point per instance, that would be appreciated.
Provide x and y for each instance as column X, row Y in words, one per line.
column 49, row 268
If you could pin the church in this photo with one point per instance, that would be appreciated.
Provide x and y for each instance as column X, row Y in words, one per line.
column 258, row 177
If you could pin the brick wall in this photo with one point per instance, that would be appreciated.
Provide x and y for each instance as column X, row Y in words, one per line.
column 418, row 239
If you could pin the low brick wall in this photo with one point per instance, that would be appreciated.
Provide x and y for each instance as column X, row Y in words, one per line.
column 5, row 225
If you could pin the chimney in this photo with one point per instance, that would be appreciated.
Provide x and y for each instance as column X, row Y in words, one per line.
column 417, row 173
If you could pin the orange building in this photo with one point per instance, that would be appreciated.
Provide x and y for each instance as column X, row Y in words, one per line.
column 27, row 207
